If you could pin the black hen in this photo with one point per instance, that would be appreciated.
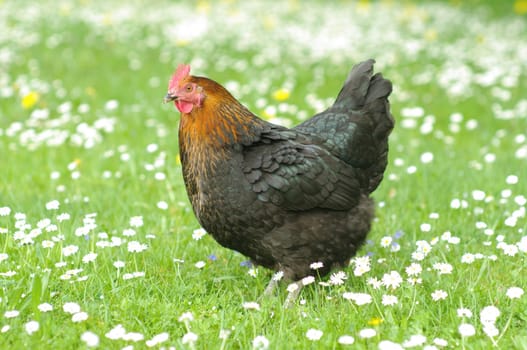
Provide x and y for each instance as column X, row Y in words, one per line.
column 285, row 198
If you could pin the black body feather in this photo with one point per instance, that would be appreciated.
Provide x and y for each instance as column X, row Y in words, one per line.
column 289, row 197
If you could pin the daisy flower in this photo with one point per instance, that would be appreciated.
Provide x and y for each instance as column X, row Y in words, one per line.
column 425, row 227
column 199, row 233
column 314, row 334
column 70, row 250
column 45, row 307
column 316, row 265
column 186, row 317
column 129, row 232
column 419, row 256
column 79, row 317
column 5, row 211
column 468, row 258
column 90, row 339
column 224, row 333
column 292, row 287
column 338, row 278
column 31, row 327
column 118, row 264
column 389, row 345
column 189, row 338
column 251, row 305
column 414, row 269
column 71, row 308
column 389, row 300
column 90, row 257
column 11, row 313
column 478, row 195
column 440, row 342
column 116, row 333
column 136, row 247
column 308, row 280
column 358, row 298
column 136, row 221
column 510, row 249
column 489, row 314
column 278, row 276
column 133, row 336
column 439, row 295
column 386, row 241
column 260, row 343
column 374, row 282
column 63, row 217
column 466, row 330
column 464, row 312
column 514, row 292
column 162, row 205
column 367, row 333
column 53, row 205
column 361, row 270
column 490, row 330
column 511, row 180
column 346, row 340
column 443, row 268
column 392, row 280
column 415, row 341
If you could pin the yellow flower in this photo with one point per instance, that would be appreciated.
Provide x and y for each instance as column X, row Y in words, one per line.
column 203, row 6
column 281, row 94
column 107, row 19
column 30, row 99
column 90, row 91
column 431, row 35
column 363, row 6
column 375, row 321
column 520, row 7
column 269, row 22
column 182, row 42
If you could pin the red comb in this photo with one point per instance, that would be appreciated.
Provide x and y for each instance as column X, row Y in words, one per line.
column 182, row 72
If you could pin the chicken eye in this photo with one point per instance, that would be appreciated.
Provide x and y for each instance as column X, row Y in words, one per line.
column 189, row 88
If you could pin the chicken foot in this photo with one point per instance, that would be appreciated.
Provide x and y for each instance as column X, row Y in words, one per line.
column 273, row 283
column 293, row 291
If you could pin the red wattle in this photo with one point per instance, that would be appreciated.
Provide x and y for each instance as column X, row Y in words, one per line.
column 184, row 107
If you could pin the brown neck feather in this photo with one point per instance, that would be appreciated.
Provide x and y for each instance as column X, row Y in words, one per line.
column 206, row 133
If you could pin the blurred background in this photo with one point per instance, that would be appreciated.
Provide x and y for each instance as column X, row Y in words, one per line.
column 78, row 74
column 86, row 145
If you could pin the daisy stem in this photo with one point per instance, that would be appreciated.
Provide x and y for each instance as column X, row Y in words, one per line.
column 223, row 342
column 378, row 308
column 7, row 237
column 410, row 313
column 503, row 331
column 135, row 263
column 187, row 326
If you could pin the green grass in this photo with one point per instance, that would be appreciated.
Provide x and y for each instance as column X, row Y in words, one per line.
column 89, row 53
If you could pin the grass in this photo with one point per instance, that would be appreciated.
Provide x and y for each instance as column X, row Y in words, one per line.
column 82, row 68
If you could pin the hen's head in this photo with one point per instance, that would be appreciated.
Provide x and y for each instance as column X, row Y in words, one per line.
column 185, row 93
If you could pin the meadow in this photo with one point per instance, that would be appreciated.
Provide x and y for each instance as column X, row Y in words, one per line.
column 99, row 247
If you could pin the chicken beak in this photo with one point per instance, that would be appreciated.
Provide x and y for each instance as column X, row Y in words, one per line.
column 169, row 97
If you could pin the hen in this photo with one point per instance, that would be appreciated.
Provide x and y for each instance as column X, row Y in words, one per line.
column 286, row 198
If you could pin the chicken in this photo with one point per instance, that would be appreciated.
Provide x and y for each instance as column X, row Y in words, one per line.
column 285, row 198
